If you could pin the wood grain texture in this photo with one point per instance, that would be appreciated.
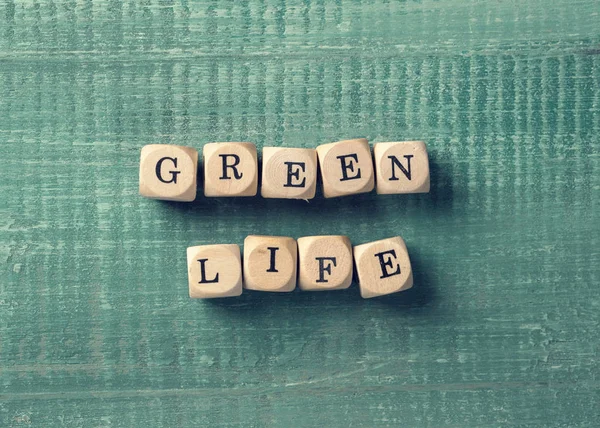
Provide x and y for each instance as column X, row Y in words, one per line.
column 502, row 326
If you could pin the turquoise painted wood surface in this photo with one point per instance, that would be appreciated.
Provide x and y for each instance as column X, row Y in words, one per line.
column 502, row 327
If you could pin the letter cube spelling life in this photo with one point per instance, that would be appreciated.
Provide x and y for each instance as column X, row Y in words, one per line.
column 325, row 263
column 214, row 271
column 270, row 263
column 383, row 267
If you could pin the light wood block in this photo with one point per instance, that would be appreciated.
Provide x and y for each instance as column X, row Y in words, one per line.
column 289, row 173
column 168, row 172
column 383, row 267
column 230, row 169
column 401, row 167
column 270, row 263
column 214, row 271
column 325, row 263
column 346, row 167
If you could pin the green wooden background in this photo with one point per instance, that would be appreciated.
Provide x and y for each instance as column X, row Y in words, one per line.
column 502, row 326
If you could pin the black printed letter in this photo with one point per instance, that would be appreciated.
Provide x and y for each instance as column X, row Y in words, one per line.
column 301, row 167
column 387, row 263
column 272, row 250
column 203, row 279
column 323, row 268
column 348, row 166
column 236, row 161
column 173, row 173
column 396, row 162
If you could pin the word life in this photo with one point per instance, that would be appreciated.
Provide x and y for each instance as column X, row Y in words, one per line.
column 314, row 263
column 170, row 172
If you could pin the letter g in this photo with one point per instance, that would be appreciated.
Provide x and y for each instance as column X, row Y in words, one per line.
column 173, row 178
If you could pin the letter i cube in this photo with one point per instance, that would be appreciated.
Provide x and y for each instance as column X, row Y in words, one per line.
column 214, row 271
column 168, row 172
column 383, row 267
column 270, row 263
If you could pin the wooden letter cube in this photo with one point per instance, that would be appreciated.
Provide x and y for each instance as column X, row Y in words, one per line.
column 402, row 167
column 289, row 173
column 230, row 169
column 325, row 263
column 346, row 167
column 383, row 267
column 270, row 263
column 214, row 271
column 168, row 172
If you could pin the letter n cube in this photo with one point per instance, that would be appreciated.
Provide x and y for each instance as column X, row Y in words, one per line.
column 402, row 167
column 383, row 267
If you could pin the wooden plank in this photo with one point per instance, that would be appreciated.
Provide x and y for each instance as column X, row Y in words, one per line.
column 502, row 325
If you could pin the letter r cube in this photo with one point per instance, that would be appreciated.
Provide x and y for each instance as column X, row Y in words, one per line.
column 230, row 169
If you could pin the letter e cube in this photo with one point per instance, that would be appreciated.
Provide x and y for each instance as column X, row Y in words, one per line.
column 383, row 267
column 346, row 167
column 289, row 173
